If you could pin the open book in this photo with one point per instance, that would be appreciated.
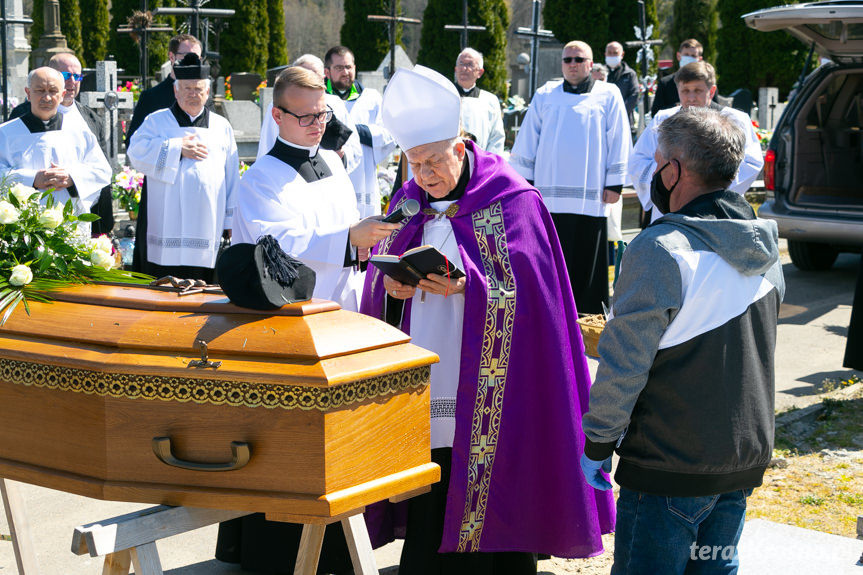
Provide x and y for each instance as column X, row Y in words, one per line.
column 415, row 264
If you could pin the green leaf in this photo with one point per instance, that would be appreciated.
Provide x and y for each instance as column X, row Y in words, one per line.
column 9, row 303
column 13, row 199
column 60, row 264
column 88, row 217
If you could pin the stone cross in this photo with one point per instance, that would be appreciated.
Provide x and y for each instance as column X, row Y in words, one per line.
column 768, row 102
column 16, row 21
column 107, row 102
column 392, row 21
column 536, row 36
column 464, row 27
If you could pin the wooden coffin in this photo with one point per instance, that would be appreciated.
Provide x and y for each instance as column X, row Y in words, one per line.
column 100, row 395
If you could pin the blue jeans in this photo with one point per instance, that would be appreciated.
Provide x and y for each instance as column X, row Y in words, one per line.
column 678, row 535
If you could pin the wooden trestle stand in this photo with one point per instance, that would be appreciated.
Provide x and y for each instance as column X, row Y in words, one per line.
column 119, row 393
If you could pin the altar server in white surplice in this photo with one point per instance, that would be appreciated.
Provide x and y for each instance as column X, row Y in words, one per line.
column 696, row 86
column 480, row 110
column 340, row 134
column 574, row 145
column 364, row 105
column 38, row 150
column 301, row 195
column 190, row 159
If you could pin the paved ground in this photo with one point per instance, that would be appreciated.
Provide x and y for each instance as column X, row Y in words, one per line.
column 810, row 347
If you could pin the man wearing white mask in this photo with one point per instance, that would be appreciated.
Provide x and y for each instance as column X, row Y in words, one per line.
column 666, row 89
column 624, row 77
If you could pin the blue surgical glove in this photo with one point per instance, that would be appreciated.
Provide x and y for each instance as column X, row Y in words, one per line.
column 591, row 470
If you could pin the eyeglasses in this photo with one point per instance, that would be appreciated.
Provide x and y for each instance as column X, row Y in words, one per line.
column 465, row 66
column 307, row 120
column 70, row 76
column 340, row 68
column 576, row 59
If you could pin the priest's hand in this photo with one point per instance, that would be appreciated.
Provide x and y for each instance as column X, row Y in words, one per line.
column 193, row 148
column 366, row 233
column 592, row 473
column 397, row 289
column 441, row 285
column 610, row 196
column 53, row 177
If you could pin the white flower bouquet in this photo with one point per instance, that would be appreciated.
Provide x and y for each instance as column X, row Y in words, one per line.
column 41, row 249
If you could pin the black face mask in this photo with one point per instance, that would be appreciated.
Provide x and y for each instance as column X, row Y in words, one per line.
column 659, row 194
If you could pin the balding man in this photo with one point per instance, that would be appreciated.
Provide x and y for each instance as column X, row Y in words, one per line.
column 480, row 110
column 574, row 145
column 74, row 112
column 42, row 150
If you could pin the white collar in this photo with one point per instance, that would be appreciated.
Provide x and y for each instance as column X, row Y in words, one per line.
column 313, row 150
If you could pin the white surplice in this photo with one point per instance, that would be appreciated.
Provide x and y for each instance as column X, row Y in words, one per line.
column 189, row 202
column 642, row 165
column 22, row 154
column 352, row 149
column 572, row 146
column 366, row 113
column 310, row 220
column 482, row 117
column 436, row 323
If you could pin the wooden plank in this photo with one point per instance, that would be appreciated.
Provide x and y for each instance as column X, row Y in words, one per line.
column 311, row 519
column 359, row 545
column 309, row 552
column 117, row 563
column 19, row 528
column 142, row 527
column 145, row 560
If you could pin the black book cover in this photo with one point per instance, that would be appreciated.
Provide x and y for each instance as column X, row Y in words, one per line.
column 415, row 264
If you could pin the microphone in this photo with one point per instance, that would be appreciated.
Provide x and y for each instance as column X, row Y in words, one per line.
column 409, row 209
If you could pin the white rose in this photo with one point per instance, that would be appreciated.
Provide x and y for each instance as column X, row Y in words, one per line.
column 8, row 213
column 102, row 243
column 52, row 217
column 102, row 259
column 22, row 192
column 21, row 275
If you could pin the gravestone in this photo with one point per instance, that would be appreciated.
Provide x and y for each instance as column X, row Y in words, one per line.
column 244, row 85
column 769, row 108
column 375, row 80
column 108, row 103
column 402, row 61
column 17, row 50
column 245, row 118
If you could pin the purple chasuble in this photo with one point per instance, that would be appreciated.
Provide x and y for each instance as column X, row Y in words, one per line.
column 523, row 386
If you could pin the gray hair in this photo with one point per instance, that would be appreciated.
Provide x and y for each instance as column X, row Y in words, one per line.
column 310, row 62
column 475, row 54
column 706, row 142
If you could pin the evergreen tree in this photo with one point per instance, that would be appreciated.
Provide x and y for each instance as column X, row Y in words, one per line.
column 243, row 44
column 695, row 19
column 623, row 17
column 752, row 59
column 95, row 20
column 439, row 48
column 585, row 20
column 70, row 24
column 277, row 50
column 369, row 41
column 126, row 50
column 37, row 28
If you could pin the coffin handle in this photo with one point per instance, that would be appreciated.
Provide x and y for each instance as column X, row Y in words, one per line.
column 239, row 457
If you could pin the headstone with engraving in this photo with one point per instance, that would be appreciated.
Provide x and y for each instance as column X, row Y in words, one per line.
column 107, row 102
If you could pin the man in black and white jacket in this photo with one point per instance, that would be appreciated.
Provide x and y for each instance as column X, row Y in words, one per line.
column 685, row 387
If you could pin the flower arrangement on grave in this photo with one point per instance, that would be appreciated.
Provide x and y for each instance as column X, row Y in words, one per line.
column 42, row 249
column 126, row 189
column 244, row 167
column 764, row 136
column 228, row 94
column 133, row 86
column 257, row 92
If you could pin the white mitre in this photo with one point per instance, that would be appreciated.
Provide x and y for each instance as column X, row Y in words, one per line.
column 420, row 106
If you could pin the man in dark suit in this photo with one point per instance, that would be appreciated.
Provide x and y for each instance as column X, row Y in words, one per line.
column 157, row 98
column 161, row 95
column 70, row 67
column 666, row 90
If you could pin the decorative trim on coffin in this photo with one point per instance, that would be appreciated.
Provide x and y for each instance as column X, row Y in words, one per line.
column 212, row 391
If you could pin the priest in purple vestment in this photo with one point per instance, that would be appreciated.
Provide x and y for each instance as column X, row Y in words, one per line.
column 509, row 392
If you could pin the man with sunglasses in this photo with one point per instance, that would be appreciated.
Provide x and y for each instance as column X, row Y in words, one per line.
column 574, row 145
column 77, row 114
column 190, row 160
